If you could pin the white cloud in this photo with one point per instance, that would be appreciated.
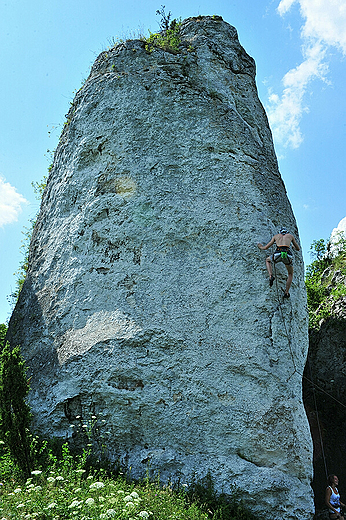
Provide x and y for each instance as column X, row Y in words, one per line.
column 325, row 20
column 338, row 233
column 284, row 6
column 10, row 203
column 324, row 27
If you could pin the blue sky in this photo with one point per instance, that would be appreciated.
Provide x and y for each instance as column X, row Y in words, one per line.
column 47, row 49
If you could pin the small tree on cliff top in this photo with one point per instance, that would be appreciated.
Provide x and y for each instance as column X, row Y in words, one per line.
column 15, row 416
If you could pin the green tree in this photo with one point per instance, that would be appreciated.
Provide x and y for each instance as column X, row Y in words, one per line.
column 15, row 415
column 168, row 38
column 321, row 294
column 3, row 330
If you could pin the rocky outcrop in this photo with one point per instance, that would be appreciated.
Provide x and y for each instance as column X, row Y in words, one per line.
column 325, row 390
column 146, row 306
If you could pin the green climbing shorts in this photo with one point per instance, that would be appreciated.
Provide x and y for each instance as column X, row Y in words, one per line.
column 283, row 254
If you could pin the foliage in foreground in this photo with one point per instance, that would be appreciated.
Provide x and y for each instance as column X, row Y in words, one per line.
column 65, row 489
column 15, row 415
column 323, row 290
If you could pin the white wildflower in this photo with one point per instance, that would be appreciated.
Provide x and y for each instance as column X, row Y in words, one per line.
column 90, row 477
column 51, row 479
column 19, row 506
column 52, row 505
column 74, row 504
column 134, row 495
column 128, row 498
column 102, row 515
column 17, row 490
column 90, row 501
column 143, row 514
column 38, row 488
column 101, row 499
column 120, row 491
column 77, row 490
column 111, row 512
column 59, row 477
column 129, row 504
column 96, row 485
column 36, row 472
column 80, row 470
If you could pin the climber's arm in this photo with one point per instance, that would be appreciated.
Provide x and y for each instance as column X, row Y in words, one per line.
column 295, row 245
column 267, row 246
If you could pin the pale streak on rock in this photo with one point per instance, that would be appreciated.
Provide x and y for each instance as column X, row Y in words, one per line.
column 100, row 327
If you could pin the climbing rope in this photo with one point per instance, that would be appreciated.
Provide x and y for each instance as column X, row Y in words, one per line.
column 318, row 422
column 303, row 376
column 291, row 352
column 284, row 323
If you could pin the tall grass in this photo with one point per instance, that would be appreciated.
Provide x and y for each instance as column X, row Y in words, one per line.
column 63, row 488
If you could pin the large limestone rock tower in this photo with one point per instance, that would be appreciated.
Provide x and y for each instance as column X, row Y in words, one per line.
column 147, row 303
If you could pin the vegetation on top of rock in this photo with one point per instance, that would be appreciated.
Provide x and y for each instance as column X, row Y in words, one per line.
column 326, row 279
column 168, row 38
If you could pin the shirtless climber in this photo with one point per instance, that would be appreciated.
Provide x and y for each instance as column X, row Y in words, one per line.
column 283, row 254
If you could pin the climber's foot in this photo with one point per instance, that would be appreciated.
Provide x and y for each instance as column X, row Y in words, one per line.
column 271, row 280
column 286, row 295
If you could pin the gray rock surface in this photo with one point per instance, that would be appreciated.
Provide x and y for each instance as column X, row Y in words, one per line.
column 146, row 308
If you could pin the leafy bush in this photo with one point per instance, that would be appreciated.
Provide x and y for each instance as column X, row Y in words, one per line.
column 168, row 38
column 321, row 294
column 3, row 331
column 15, row 415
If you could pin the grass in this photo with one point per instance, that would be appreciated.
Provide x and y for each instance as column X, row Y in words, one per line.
column 64, row 489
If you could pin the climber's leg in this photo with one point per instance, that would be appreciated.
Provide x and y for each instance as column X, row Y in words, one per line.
column 289, row 278
column 269, row 269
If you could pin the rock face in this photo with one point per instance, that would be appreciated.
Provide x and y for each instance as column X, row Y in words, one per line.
column 147, row 304
column 325, row 394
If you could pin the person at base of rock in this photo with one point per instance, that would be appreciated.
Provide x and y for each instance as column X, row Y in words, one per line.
column 283, row 254
column 333, row 501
